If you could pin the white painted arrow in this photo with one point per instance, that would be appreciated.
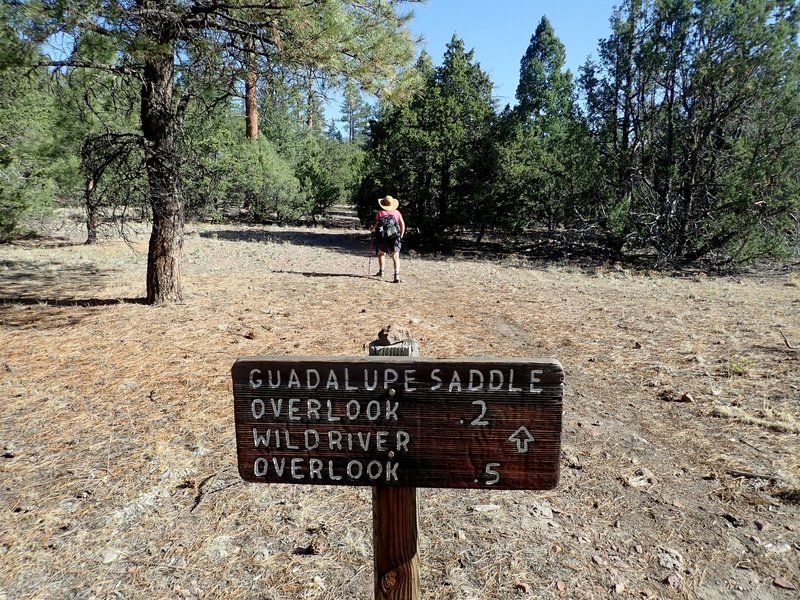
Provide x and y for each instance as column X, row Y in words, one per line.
column 522, row 437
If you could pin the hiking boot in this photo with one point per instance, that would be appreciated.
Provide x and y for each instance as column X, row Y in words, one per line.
column 378, row 274
column 396, row 279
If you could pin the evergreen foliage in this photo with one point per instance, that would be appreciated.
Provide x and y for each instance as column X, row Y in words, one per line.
column 29, row 175
column 679, row 143
column 684, row 147
column 355, row 113
column 542, row 167
column 98, row 121
column 431, row 150
column 694, row 110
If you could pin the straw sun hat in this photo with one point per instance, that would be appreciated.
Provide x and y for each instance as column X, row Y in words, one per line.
column 388, row 203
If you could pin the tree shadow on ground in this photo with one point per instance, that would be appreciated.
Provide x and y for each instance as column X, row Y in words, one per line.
column 345, row 241
column 38, row 240
column 63, row 302
column 578, row 248
column 586, row 250
column 52, row 284
column 317, row 274
column 537, row 247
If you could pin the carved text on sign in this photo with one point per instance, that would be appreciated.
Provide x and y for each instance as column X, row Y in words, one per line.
column 399, row 421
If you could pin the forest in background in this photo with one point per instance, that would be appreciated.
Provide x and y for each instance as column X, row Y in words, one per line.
column 680, row 143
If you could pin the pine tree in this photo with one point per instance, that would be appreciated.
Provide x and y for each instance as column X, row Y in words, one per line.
column 695, row 110
column 545, row 88
column 366, row 41
column 540, row 168
column 27, row 169
column 429, row 151
column 355, row 113
column 463, row 109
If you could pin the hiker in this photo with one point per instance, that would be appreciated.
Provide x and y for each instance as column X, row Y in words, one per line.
column 389, row 229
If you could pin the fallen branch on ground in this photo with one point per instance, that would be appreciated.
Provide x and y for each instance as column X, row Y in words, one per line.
column 786, row 341
column 748, row 475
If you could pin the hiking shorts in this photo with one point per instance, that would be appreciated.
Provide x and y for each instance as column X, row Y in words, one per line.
column 389, row 246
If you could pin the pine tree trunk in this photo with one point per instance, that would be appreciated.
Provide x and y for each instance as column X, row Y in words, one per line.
column 166, row 200
column 444, row 196
column 251, row 106
column 92, row 218
column 250, row 98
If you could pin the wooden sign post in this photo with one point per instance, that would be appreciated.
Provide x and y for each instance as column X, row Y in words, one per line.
column 395, row 541
column 400, row 422
column 395, row 520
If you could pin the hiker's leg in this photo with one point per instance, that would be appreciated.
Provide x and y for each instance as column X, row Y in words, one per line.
column 396, row 263
column 396, row 259
column 381, row 262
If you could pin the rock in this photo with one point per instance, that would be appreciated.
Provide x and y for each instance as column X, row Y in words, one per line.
column 670, row 395
column 670, row 559
column 674, row 581
column 619, row 588
column 784, row 584
column 781, row 548
column 599, row 560
column 541, row 510
column 393, row 334
column 561, row 586
column 592, row 431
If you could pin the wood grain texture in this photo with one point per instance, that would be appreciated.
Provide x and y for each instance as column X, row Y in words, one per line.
column 399, row 421
column 395, row 526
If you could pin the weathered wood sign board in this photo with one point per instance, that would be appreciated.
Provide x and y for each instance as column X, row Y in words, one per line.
column 399, row 421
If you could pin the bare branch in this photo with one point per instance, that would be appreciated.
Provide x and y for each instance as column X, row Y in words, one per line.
column 749, row 475
column 786, row 341
column 82, row 64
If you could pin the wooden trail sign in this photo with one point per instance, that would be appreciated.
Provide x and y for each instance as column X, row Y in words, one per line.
column 399, row 421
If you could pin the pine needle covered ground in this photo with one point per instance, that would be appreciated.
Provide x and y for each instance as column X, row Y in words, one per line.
column 681, row 458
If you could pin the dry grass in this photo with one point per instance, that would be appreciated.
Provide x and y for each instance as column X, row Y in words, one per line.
column 771, row 419
column 118, row 461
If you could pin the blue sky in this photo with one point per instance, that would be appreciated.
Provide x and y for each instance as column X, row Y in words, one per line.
column 499, row 32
